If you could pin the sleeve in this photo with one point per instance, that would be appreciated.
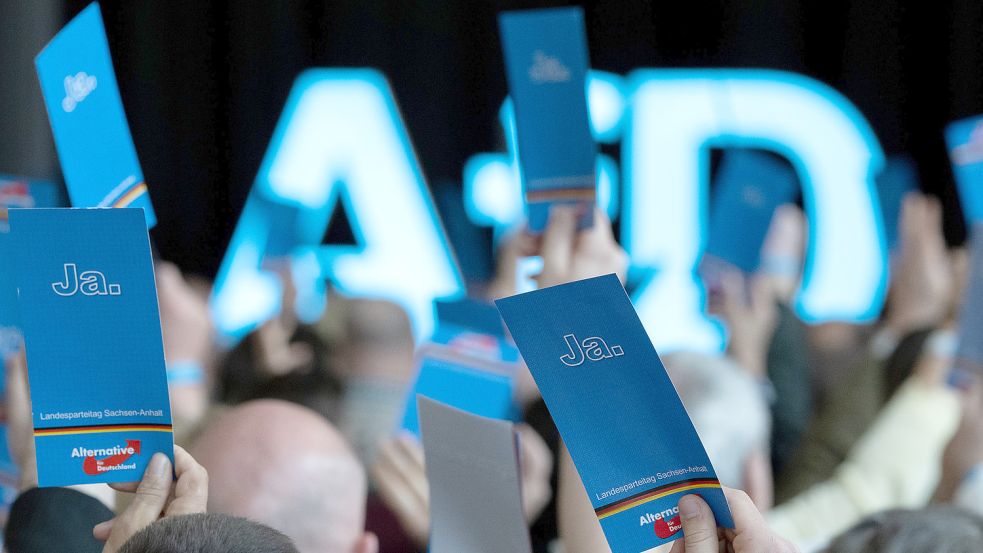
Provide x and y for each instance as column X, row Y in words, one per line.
column 54, row 520
column 895, row 464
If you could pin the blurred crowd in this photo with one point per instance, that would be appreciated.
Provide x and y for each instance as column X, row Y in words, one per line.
column 833, row 437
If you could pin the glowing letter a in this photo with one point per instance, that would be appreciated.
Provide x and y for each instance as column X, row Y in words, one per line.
column 341, row 138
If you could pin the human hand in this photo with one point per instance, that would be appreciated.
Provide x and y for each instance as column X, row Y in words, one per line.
column 400, row 479
column 157, row 496
column 536, row 468
column 783, row 250
column 923, row 282
column 515, row 246
column 751, row 314
column 569, row 254
column 749, row 535
column 185, row 322
column 20, row 427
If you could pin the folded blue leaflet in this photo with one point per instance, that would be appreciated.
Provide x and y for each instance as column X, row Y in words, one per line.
column 468, row 363
column 96, row 151
column 95, row 358
column 969, row 352
column 633, row 444
column 898, row 178
column 17, row 192
column 965, row 141
column 749, row 187
column 546, row 62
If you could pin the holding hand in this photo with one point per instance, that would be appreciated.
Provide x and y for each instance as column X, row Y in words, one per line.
column 749, row 535
column 569, row 255
column 157, row 496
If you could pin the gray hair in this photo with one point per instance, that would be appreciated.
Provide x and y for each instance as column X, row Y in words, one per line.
column 727, row 407
column 939, row 529
column 212, row 532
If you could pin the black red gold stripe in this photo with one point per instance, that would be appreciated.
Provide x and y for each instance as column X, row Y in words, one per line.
column 653, row 494
column 97, row 429
column 587, row 194
column 132, row 194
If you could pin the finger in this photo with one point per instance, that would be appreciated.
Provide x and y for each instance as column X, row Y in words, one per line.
column 558, row 239
column 394, row 490
column 536, row 457
column 600, row 232
column 699, row 526
column 762, row 295
column 127, row 487
column 191, row 490
column 410, row 464
column 148, row 502
column 395, row 470
column 411, row 448
column 103, row 530
column 752, row 533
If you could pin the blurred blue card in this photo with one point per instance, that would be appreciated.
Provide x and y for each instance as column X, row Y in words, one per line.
column 17, row 192
column 94, row 351
column 468, row 363
column 749, row 187
column 898, row 178
column 616, row 409
column 965, row 141
column 546, row 62
column 969, row 352
column 97, row 155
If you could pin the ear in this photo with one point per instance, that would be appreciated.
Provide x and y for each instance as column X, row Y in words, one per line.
column 368, row 543
column 758, row 481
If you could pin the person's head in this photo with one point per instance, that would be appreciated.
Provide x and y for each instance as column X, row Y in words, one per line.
column 284, row 465
column 305, row 377
column 731, row 416
column 207, row 532
column 939, row 529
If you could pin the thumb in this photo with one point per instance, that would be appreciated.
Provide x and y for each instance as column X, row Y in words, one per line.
column 148, row 503
column 699, row 527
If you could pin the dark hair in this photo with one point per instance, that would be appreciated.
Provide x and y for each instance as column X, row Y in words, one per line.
column 937, row 529
column 242, row 379
column 208, row 533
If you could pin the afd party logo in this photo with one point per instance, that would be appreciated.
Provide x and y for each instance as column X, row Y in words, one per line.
column 588, row 349
column 102, row 460
column 548, row 69
column 77, row 88
column 87, row 283
column 665, row 523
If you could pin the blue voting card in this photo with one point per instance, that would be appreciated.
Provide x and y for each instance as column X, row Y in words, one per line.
column 633, row 444
column 95, row 357
column 17, row 192
column 969, row 352
column 898, row 179
column 97, row 155
column 749, row 187
column 965, row 141
column 468, row 363
column 546, row 63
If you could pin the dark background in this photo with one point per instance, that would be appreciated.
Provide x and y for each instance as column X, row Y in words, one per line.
column 204, row 82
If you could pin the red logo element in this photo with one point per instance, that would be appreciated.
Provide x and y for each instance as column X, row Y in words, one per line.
column 667, row 527
column 94, row 467
column 14, row 188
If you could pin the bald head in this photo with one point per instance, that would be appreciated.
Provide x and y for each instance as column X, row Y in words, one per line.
column 287, row 467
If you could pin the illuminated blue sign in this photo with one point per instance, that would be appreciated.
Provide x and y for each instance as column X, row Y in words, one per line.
column 340, row 139
column 668, row 121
